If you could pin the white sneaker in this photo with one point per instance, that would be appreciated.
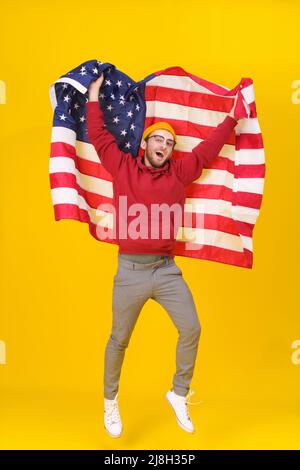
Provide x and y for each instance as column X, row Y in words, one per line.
column 112, row 419
column 180, row 406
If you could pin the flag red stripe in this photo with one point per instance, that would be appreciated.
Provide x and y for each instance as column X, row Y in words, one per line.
column 250, row 141
column 250, row 171
column 188, row 98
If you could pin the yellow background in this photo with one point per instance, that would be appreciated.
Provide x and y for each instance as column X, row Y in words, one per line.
column 56, row 279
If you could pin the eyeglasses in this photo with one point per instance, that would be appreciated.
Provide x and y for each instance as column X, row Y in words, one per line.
column 160, row 140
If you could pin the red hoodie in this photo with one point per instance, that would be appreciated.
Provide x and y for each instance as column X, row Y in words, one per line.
column 149, row 186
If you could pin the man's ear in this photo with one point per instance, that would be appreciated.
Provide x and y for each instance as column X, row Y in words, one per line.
column 143, row 144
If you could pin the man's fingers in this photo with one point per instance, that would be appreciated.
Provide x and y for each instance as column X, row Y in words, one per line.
column 99, row 79
column 96, row 83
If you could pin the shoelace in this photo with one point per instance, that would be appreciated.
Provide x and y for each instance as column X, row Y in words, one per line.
column 184, row 404
column 112, row 411
column 190, row 393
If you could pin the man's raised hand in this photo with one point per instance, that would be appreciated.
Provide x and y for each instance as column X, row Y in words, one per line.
column 94, row 88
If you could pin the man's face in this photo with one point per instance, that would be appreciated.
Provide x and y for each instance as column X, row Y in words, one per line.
column 158, row 148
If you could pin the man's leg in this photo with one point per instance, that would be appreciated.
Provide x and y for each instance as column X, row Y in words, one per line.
column 172, row 292
column 130, row 292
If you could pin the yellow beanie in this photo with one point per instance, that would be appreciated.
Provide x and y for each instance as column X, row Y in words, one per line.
column 159, row 125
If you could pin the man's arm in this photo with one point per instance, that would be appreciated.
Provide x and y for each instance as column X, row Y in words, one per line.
column 110, row 155
column 189, row 168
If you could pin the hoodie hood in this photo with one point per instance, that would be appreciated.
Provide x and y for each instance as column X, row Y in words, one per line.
column 155, row 172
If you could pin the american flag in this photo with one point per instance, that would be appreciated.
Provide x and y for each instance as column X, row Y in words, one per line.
column 229, row 193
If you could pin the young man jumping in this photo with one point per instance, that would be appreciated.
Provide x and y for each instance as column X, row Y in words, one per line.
column 146, row 266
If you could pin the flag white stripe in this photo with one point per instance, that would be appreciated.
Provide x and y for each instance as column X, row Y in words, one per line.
column 247, row 126
column 245, row 214
column 249, row 185
column 63, row 134
column 210, row 237
column 180, row 112
column 250, row 157
column 248, row 93
column 182, row 83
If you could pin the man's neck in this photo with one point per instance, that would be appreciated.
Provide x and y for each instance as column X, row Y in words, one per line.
column 147, row 163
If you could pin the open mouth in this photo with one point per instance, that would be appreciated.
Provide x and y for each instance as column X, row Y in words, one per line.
column 160, row 155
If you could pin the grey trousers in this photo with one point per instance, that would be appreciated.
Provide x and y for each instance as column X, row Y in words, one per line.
column 134, row 284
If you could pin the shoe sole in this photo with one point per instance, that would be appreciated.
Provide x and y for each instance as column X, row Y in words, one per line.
column 178, row 422
column 113, row 435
